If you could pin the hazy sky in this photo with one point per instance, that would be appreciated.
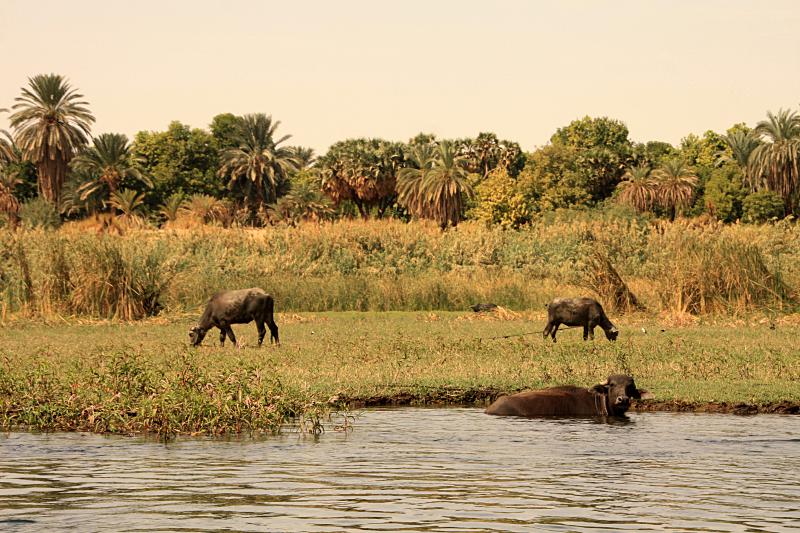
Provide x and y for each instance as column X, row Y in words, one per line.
column 331, row 70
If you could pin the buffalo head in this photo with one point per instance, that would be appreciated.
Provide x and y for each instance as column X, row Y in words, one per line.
column 618, row 391
column 196, row 335
column 611, row 334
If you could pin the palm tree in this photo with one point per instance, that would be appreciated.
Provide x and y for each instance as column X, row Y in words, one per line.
column 6, row 144
column 778, row 158
column 51, row 124
column 741, row 145
column 108, row 161
column 128, row 202
column 675, row 184
column 409, row 179
column 305, row 157
column 440, row 191
column 203, row 208
column 259, row 160
column 9, row 204
column 638, row 188
column 172, row 207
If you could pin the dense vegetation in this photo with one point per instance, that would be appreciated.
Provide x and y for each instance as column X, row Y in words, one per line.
column 242, row 171
column 675, row 267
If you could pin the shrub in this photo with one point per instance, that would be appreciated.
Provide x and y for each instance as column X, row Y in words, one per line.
column 724, row 194
column 762, row 206
column 39, row 213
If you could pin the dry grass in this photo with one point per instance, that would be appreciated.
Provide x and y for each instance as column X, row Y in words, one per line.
column 389, row 265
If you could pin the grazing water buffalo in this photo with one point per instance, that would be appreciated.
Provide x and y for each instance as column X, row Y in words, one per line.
column 584, row 312
column 236, row 307
column 611, row 398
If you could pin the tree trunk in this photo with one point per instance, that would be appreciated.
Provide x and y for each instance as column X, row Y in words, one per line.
column 51, row 172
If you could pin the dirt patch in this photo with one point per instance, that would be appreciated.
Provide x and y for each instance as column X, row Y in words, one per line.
column 294, row 318
column 500, row 314
column 783, row 408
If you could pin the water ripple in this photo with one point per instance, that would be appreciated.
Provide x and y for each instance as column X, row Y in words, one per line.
column 418, row 470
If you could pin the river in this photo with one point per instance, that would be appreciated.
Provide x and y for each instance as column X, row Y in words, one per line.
column 416, row 469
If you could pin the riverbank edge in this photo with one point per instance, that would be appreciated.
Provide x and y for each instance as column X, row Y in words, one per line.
column 483, row 397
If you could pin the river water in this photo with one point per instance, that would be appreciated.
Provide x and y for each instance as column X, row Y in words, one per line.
column 413, row 469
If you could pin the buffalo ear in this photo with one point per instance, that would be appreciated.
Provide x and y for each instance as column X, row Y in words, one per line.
column 601, row 388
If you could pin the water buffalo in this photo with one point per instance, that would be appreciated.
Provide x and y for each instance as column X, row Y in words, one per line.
column 236, row 307
column 584, row 312
column 611, row 398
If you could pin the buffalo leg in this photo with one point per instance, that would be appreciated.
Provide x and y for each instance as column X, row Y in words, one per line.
column 231, row 336
column 221, row 336
column 261, row 332
column 273, row 331
column 555, row 330
column 585, row 331
column 592, row 325
column 547, row 329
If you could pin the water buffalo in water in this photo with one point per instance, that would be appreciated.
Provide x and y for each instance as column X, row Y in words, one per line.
column 584, row 312
column 236, row 307
column 611, row 398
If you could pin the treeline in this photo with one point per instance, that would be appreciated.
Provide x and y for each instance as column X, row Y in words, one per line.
column 243, row 171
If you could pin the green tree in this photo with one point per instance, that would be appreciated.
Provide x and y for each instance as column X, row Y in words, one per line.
column 108, row 163
column 487, row 152
column 362, row 171
column 224, row 129
column 675, row 186
column 305, row 157
column 180, row 160
column 741, row 144
column 499, row 202
column 778, row 158
column 304, row 201
column 259, row 164
column 702, row 152
column 443, row 188
column 420, row 159
column 652, row 153
column 14, row 165
column 602, row 152
column 724, row 193
column 762, row 206
column 51, row 124
column 552, row 179
column 638, row 188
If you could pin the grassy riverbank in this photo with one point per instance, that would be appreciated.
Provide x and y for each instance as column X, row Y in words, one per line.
column 141, row 376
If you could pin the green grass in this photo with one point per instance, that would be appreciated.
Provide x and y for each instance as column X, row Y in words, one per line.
column 141, row 376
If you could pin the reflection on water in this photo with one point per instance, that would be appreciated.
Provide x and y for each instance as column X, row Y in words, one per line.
column 419, row 470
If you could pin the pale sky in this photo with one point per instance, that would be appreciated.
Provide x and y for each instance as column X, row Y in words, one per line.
column 331, row 70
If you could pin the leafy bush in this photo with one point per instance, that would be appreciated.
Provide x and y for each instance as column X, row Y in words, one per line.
column 724, row 194
column 762, row 206
column 39, row 213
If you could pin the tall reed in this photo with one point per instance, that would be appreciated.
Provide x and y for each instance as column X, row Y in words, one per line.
column 390, row 265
